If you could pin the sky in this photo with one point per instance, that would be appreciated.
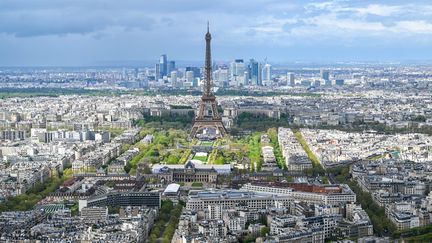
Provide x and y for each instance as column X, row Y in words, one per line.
column 97, row 32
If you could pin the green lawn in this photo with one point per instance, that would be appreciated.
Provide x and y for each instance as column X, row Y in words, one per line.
column 255, row 152
column 197, row 184
column 201, row 158
column 163, row 149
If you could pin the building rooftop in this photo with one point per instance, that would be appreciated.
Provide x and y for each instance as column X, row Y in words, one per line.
column 172, row 188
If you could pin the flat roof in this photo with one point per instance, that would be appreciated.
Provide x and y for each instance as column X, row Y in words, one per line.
column 172, row 188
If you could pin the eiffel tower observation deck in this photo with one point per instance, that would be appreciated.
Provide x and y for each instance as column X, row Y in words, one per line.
column 208, row 122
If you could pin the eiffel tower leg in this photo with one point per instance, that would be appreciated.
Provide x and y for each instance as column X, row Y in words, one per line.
column 194, row 131
column 221, row 129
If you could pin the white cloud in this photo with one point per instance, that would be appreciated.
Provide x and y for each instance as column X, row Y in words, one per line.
column 342, row 20
column 413, row 27
column 346, row 24
column 378, row 9
column 344, row 7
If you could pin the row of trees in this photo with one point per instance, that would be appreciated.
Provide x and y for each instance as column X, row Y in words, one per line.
column 223, row 156
column 381, row 223
column 244, row 92
column 316, row 164
column 50, row 92
column 273, row 134
column 248, row 121
column 414, row 232
column 360, row 126
column 29, row 199
column 166, row 222
column 166, row 121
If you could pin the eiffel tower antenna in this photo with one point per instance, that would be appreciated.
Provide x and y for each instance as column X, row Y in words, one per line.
column 208, row 114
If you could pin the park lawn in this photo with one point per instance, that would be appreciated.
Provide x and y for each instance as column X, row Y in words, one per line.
column 163, row 148
column 197, row 184
column 200, row 158
column 255, row 152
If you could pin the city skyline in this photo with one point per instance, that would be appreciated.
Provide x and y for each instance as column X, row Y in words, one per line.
column 49, row 33
column 242, row 150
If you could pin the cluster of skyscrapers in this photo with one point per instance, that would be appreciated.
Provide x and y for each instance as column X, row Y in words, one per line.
column 238, row 73
column 253, row 73
column 166, row 70
column 164, row 67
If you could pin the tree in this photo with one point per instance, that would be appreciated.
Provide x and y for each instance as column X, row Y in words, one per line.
column 172, row 159
column 127, row 167
column 265, row 231
column 220, row 160
column 420, row 118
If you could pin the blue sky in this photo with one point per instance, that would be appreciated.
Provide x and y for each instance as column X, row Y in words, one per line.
column 87, row 32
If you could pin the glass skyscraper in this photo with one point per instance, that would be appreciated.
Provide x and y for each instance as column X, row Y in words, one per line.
column 163, row 68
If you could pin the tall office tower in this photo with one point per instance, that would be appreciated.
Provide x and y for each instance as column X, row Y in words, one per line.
column 221, row 77
column 171, row 66
column 189, row 76
column 237, row 68
column 136, row 73
column 290, row 79
column 196, row 71
column 260, row 78
column 157, row 72
column 173, row 75
column 339, row 82
column 324, row 74
column 124, row 74
column 232, row 69
column 246, row 78
column 163, row 65
column 254, row 72
column 266, row 73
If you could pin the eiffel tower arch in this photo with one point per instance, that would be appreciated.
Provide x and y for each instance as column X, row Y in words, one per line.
column 208, row 115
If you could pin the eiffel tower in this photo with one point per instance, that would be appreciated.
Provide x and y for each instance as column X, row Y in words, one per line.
column 208, row 114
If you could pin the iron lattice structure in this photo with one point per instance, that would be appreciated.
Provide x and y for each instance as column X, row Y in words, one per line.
column 208, row 114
